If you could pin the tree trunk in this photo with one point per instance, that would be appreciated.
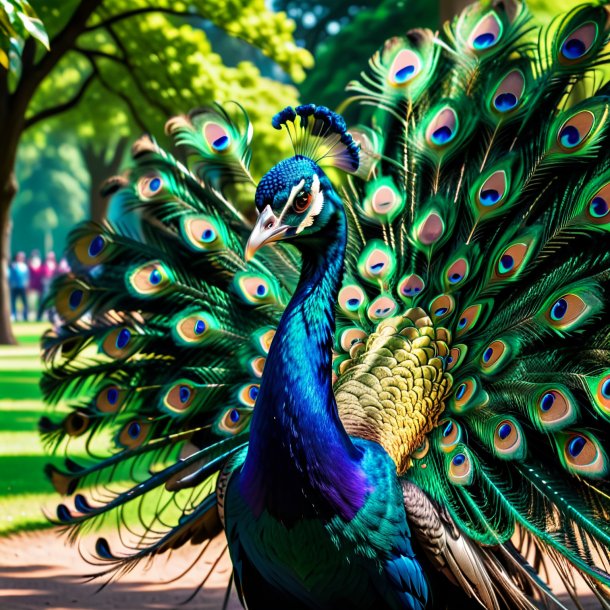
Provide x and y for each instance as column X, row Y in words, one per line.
column 7, row 192
column 100, row 168
column 13, row 107
column 450, row 8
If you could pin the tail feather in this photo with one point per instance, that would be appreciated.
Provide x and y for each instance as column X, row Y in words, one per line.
column 164, row 334
column 484, row 202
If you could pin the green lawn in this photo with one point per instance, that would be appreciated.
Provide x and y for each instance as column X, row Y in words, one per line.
column 23, row 487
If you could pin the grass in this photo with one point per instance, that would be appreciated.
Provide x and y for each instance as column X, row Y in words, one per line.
column 24, row 488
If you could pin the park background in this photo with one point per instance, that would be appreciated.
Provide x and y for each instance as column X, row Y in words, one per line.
column 80, row 81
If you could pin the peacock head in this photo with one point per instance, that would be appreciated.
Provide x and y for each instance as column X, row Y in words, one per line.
column 295, row 199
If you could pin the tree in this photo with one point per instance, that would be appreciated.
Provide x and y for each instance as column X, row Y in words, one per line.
column 53, row 193
column 87, row 36
column 341, row 58
column 320, row 20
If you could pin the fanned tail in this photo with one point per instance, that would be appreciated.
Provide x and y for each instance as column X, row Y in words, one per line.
column 481, row 213
column 163, row 340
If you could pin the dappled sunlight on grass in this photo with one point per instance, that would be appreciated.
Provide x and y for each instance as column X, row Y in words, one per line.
column 24, row 489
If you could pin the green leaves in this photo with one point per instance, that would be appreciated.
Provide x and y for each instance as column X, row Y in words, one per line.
column 18, row 21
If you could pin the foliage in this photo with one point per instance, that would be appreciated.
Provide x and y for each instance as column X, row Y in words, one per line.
column 54, row 191
column 133, row 67
column 18, row 21
column 341, row 58
column 317, row 21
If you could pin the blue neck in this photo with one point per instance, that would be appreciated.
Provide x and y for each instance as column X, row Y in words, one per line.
column 300, row 461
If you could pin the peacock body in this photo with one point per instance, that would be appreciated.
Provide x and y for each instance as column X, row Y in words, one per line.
column 420, row 415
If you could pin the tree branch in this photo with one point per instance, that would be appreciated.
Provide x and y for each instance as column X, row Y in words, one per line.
column 139, row 11
column 91, row 53
column 128, row 102
column 145, row 94
column 61, row 43
column 47, row 113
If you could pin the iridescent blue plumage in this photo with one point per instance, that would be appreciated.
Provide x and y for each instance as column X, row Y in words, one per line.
column 303, row 477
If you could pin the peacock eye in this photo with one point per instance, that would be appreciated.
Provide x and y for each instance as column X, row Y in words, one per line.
column 301, row 202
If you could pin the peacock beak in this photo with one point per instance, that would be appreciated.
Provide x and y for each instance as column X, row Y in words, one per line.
column 268, row 229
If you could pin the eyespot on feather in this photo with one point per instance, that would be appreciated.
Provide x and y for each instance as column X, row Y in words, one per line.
column 133, row 434
column 203, row 233
column 555, row 409
column 77, row 423
column 468, row 395
column 468, row 320
column 377, row 262
column 460, row 469
column 405, row 67
column 119, row 343
column 180, row 396
column 193, row 328
column 110, row 399
column 441, row 307
column 603, row 394
column 583, row 454
column 456, row 273
column 72, row 301
column 494, row 355
column 455, row 357
column 486, row 34
column 263, row 338
column 217, row 137
column 598, row 387
column 510, row 261
column 63, row 483
column 598, row 210
column 383, row 202
column 382, row 307
column 431, row 229
column 577, row 45
column 256, row 289
column 386, row 202
column 507, row 96
column 92, row 249
column 574, row 131
column 257, row 366
column 508, row 440
column 248, row 393
column 442, row 128
column 351, row 299
column 565, row 312
column 449, row 435
column 233, row 421
column 410, row 286
column 463, row 393
column 492, row 191
column 150, row 186
column 149, row 280
column 348, row 337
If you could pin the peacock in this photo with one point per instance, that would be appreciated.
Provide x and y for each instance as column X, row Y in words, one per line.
column 392, row 391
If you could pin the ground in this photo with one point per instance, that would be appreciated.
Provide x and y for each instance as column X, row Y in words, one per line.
column 37, row 569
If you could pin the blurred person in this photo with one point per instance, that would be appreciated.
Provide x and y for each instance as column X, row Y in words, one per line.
column 19, row 279
column 49, row 271
column 63, row 267
column 35, row 287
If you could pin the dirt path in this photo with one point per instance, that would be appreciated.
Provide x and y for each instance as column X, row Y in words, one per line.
column 37, row 571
